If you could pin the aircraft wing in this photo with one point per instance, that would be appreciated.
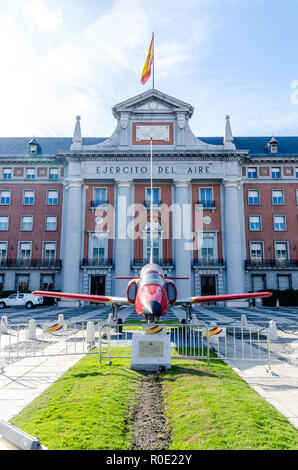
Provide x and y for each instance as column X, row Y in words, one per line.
column 217, row 298
column 101, row 299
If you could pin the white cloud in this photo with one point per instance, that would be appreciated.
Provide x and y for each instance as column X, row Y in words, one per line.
column 101, row 65
column 39, row 16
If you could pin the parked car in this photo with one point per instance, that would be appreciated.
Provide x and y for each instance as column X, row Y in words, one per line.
column 16, row 300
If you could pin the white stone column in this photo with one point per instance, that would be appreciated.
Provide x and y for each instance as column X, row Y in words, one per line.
column 73, row 236
column 123, row 242
column 233, row 240
column 182, row 230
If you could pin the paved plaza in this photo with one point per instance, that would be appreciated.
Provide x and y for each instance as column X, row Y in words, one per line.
column 283, row 316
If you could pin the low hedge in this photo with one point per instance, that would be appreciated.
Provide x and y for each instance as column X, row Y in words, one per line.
column 286, row 298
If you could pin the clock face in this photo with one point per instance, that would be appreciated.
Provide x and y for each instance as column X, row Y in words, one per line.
column 98, row 220
column 207, row 220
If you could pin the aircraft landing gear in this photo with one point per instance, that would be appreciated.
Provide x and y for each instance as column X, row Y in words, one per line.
column 115, row 312
column 188, row 314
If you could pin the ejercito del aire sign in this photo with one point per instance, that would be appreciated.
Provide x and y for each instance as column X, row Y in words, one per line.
column 164, row 170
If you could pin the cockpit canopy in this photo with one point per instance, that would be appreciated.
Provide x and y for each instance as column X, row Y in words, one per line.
column 152, row 274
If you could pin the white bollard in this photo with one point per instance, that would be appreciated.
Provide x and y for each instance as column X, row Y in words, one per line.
column 4, row 325
column 194, row 319
column 273, row 331
column 32, row 329
column 111, row 319
column 60, row 318
column 243, row 320
column 90, row 333
column 277, row 303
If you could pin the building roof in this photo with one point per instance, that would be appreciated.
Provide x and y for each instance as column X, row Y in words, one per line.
column 257, row 146
column 19, row 146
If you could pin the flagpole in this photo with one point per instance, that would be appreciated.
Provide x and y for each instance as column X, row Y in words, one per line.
column 151, row 203
column 153, row 60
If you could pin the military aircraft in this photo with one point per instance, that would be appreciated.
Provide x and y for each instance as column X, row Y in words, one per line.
column 152, row 294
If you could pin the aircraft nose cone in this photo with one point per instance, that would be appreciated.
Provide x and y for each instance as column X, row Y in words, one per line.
column 151, row 307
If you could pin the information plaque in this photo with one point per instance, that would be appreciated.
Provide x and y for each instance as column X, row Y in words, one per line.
column 151, row 349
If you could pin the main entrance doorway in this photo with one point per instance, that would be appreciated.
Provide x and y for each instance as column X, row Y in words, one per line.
column 208, row 286
column 98, row 285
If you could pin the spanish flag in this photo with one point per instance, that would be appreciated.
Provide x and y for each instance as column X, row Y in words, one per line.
column 147, row 67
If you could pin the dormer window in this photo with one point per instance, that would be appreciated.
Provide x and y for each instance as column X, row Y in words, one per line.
column 34, row 147
column 272, row 145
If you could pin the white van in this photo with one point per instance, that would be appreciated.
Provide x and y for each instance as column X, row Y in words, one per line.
column 21, row 300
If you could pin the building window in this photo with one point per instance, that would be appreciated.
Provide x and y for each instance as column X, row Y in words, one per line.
column 156, row 242
column 155, row 197
column 207, row 249
column 278, row 197
column 206, row 197
column 5, row 197
column 7, row 173
column 49, row 251
column 99, row 196
column 1, row 282
column 297, row 197
column 27, row 223
column 253, row 197
column 54, row 173
column 51, row 222
column 98, row 249
column 279, row 222
column 4, row 222
column 281, row 252
column 28, row 197
column 25, row 252
column 22, row 282
column 47, row 281
column 3, row 252
column 52, row 197
column 30, row 173
column 284, row 281
column 256, row 252
column 296, row 172
column 252, row 172
column 258, row 282
column 255, row 223
column 275, row 172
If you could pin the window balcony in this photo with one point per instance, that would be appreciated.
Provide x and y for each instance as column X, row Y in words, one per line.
column 163, row 262
column 207, row 204
column 30, row 263
column 155, row 204
column 95, row 204
column 97, row 261
column 271, row 264
column 204, row 262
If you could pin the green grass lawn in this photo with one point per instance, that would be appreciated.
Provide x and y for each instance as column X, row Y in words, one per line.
column 207, row 407
column 86, row 408
column 211, row 407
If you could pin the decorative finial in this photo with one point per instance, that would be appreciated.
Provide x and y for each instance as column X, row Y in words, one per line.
column 77, row 135
column 228, row 140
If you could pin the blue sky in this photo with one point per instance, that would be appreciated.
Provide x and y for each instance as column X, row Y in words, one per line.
column 61, row 58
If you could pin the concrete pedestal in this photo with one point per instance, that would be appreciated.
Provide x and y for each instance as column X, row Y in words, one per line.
column 150, row 352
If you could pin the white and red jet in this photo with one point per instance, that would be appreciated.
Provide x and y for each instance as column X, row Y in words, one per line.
column 152, row 294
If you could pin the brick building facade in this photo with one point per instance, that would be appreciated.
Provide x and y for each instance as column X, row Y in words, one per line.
column 74, row 212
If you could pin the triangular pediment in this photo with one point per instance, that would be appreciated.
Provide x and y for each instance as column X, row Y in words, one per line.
column 152, row 101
